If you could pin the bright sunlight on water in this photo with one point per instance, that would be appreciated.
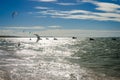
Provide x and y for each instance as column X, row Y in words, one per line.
column 62, row 59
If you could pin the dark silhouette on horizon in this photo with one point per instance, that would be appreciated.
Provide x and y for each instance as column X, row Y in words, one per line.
column 74, row 37
column 91, row 39
column 47, row 38
column 114, row 39
column 55, row 38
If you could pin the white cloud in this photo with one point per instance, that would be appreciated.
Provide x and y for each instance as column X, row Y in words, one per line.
column 107, row 7
column 55, row 27
column 40, row 7
column 66, row 4
column 104, row 6
column 44, row 0
column 26, row 28
column 109, row 12
column 82, row 14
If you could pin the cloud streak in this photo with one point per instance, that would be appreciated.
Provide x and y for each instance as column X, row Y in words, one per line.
column 40, row 7
column 109, row 12
column 45, row 0
column 82, row 14
column 27, row 28
column 54, row 27
column 104, row 6
column 66, row 4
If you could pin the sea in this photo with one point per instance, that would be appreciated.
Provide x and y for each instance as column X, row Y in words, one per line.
column 61, row 59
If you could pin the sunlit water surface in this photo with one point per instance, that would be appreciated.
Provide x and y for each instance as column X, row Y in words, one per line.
column 24, row 59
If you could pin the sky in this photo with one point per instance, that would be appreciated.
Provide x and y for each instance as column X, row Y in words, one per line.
column 60, row 17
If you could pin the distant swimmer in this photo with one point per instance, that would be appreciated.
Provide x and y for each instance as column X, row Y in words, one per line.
column 14, row 14
column 23, row 31
column 91, row 39
column 19, row 44
column 114, row 39
column 38, row 37
column 47, row 38
column 72, row 77
column 74, row 37
column 55, row 38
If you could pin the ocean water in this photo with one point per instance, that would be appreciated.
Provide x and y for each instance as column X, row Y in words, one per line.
column 62, row 59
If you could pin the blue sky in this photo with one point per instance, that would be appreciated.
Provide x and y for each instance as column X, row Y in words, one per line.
column 46, row 15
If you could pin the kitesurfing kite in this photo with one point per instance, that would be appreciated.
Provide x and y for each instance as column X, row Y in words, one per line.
column 15, row 13
column 38, row 37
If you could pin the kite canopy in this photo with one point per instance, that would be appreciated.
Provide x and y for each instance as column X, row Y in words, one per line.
column 15, row 13
column 38, row 37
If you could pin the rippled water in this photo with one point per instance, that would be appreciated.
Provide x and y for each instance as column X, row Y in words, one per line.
column 61, row 59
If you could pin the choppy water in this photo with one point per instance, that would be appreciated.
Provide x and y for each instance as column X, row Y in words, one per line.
column 62, row 59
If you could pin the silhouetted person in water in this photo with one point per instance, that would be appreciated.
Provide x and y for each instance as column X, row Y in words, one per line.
column 47, row 39
column 114, row 39
column 72, row 77
column 117, row 55
column 55, row 38
column 74, row 37
column 91, row 39
column 19, row 44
